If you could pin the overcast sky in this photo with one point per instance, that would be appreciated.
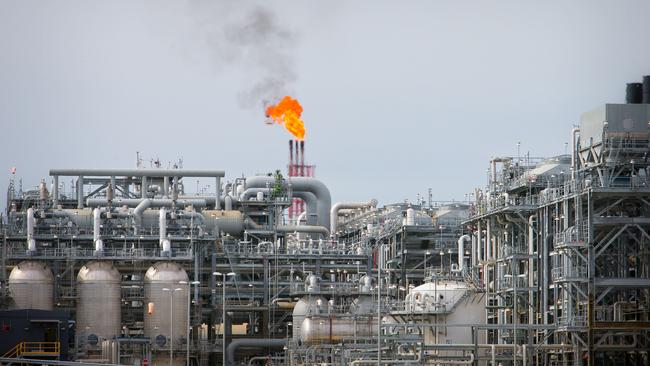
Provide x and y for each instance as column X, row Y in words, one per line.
column 398, row 96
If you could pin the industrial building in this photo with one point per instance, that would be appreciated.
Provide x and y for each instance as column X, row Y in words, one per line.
column 547, row 265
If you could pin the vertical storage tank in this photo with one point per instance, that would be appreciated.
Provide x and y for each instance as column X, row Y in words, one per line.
column 31, row 285
column 168, row 314
column 98, row 303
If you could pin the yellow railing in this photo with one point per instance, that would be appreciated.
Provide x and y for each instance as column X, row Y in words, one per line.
column 34, row 349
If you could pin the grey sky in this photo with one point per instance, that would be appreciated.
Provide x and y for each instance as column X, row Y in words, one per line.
column 399, row 96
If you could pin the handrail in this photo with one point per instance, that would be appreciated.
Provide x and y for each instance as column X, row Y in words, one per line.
column 34, row 349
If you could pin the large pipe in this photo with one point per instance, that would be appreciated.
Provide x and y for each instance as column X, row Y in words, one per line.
column 303, row 229
column 250, row 192
column 137, row 212
column 138, row 173
column 165, row 244
column 97, row 224
column 153, row 202
column 301, row 184
column 334, row 211
column 55, row 191
column 31, row 242
column 574, row 151
column 311, row 203
column 251, row 342
column 461, row 251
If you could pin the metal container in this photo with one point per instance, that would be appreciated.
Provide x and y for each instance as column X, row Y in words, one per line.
column 31, row 285
column 98, row 303
column 167, row 324
column 334, row 330
column 307, row 305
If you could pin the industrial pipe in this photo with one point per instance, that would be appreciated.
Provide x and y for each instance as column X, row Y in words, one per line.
column 301, row 184
column 574, row 151
column 97, row 223
column 303, row 229
column 343, row 205
column 250, row 192
column 461, row 252
column 137, row 212
column 153, row 202
column 251, row 342
column 165, row 244
column 138, row 173
column 31, row 221
column 311, row 206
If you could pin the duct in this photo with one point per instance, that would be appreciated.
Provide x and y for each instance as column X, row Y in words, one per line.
column 303, row 229
column 343, row 205
column 251, row 342
column 461, row 252
column 301, row 184
column 97, row 224
column 31, row 221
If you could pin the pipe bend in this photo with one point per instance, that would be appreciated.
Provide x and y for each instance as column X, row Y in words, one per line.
column 251, row 342
column 334, row 211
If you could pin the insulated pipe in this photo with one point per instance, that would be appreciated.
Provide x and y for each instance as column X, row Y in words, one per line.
column 250, row 192
column 80, row 192
column 311, row 206
column 303, row 229
column 31, row 242
column 301, row 184
column 574, row 151
column 154, row 202
column 97, row 223
column 461, row 252
column 137, row 212
column 165, row 244
column 165, row 187
column 217, row 193
column 334, row 211
column 55, row 191
column 251, row 342
column 138, row 173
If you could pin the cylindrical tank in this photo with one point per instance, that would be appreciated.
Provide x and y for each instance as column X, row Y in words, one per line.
column 334, row 330
column 98, row 303
column 307, row 305
column 31, row 285
column 169, row 317
column 435, row 296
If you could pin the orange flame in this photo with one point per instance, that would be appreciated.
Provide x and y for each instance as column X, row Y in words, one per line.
column 287, row 112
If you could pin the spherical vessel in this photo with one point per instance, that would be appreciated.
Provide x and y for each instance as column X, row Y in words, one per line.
column 31, row 286
column 98, row 303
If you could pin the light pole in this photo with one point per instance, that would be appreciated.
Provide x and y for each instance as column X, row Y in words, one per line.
column 195, row 283
column 223, row 311
column 171, row 322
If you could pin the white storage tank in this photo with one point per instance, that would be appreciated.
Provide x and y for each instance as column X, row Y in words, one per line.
column 99, row 296
column 31, row 285
column 167, row 317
